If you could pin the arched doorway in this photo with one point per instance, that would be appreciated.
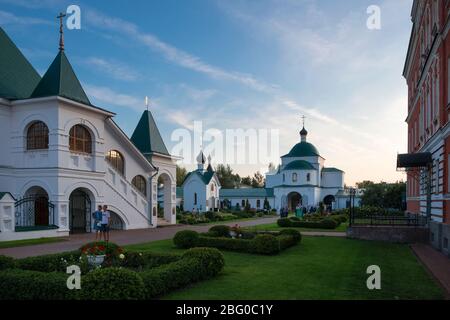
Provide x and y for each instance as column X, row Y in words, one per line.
column 294, row 200
column 165, row 197
column 328, row 202
column 34, row 209
column 116, row 221
column 80, row 211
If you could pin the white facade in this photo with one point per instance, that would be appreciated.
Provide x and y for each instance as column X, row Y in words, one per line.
column 56, row 189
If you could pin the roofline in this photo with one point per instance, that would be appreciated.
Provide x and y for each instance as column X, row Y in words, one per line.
column 62, row 99
column 169, row 156
column 137, row 151
column 5, row 102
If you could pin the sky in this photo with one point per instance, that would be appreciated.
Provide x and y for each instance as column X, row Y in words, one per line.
column 240, row 65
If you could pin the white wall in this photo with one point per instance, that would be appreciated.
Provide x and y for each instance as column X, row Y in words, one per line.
column 194, row 184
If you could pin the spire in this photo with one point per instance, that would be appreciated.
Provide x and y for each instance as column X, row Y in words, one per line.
column 201, row 161
column 303, row 132
column 209, row 168
column 61, row 31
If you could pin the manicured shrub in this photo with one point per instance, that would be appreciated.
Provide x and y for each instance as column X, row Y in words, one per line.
column 6, row 262
column 49, row 263
column 265, row 244
column 284, row 222
column 329, row 223
column 211, row 234
column 295, row 219
column 112, row 284
column 17, row 284
column 133, row 260
column 186, row 239
column 211, row 260
column 225, row 243
column 222, row 231
column 293, row 233
column 286, row 241
column 152, row 260
column 211, row 215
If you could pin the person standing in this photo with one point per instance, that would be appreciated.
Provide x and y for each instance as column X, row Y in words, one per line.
column 97, row 215
column 106, row 221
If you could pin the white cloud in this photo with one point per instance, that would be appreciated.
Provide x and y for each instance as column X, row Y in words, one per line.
column 113, row 68
column 9, row 18
column 108, row 96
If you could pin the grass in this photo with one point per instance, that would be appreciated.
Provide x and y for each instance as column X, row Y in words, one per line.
column 28, row 242
column 274, row 227
column 318, row 268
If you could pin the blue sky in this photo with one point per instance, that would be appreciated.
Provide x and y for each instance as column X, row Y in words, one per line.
column 240, row 64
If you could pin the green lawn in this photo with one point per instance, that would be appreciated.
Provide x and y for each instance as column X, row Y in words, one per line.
column 318, row 268
column 274, row 227
column 29, row 242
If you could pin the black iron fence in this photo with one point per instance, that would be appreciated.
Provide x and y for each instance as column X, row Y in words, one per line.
column 411, row 220
column 34, row 211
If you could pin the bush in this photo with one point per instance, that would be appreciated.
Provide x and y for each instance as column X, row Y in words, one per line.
column 16, row 284
column 265, row 244
column 211, row 260
column 186, row 239
column 222, row 231
column 50, row 262
column 112, row 284
column 284, row 223
column 286, row 241
column 328, row 224
column 291, row 232
column 211, row 215
column 6, row 263
column 240, row 245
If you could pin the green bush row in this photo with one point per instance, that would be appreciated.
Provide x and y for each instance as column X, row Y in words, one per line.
column 326, row 223
column 267, row 244
column 112, row 283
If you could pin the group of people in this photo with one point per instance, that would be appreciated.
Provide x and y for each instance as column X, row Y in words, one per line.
column 102, row 222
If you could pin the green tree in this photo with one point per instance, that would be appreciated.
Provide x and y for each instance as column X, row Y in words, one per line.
column 181, row 175
column 246, row 181
column 258, row 180
column 227, row 178
column 382, row 194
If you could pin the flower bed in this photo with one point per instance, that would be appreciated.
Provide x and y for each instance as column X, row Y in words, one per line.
column 128, row 275
column 253, row 242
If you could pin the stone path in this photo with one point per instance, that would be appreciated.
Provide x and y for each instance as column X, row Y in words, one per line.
column 122, row 238
column 436, row 263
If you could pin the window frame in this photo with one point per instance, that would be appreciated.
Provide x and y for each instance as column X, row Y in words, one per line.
column 32, row 138
column 139, row 178
column 114, row 162
column 75, row 140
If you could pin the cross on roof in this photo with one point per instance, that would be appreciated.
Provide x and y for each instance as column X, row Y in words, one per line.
column 61, row 31
column 303, row 119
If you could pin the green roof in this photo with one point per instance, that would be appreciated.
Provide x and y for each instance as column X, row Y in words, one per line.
column 18, row 78
column 331, row 170
column 299, row 165
column 246, row 193
column 60, row 80
column 146, row 136
column 303, row 149
column 206, row 176
column 2, row 194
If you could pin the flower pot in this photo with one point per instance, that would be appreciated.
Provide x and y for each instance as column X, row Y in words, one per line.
column 95, row 260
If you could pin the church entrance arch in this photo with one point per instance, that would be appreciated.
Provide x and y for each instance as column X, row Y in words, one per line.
column 294, row 200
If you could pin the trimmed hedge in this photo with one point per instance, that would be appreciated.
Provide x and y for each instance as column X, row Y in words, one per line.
column 48, row 263
column 112, row 284
column 6, row 263
column 263, row 243
column 222, row 231
column 292, row 232
column 185, row 239
column 326, row 223
column 17, row 284
column 211, row 260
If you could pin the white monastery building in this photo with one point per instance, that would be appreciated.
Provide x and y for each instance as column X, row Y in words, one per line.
column 301, row 180
column 62, row 156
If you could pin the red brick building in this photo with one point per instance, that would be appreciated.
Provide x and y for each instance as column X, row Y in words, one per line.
column 427, row 72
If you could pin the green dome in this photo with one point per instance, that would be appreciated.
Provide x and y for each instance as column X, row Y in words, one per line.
column 299, row 165
column 303, row 149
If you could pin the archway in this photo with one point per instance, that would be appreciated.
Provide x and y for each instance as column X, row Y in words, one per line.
column 116, row 221
column 328, row 202
column 34, row 209
column 80, row 211
column 294, row 200
column 165, row 197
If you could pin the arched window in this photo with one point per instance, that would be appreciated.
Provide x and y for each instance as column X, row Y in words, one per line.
column 308, row 177
column 80, row 139
column 195, row 198
column 140, row 184
column 116, row 160
column 294, row 177
column 212, row 187
column 37, row 136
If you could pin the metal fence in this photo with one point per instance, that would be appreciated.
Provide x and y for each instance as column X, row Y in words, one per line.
column 34, row 211
column 410, row 220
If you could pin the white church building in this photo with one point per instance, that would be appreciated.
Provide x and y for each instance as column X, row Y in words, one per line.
column 62, row 156
column 301, row 180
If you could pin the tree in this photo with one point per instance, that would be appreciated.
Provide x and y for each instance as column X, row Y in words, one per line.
column 181, row 175
column 266, row 204
column 227, row 178
column 247, row 181
column 384, row 195
column 258, row 180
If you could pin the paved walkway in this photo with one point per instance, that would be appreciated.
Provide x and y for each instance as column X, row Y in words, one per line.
column 436, row 263
column 122, row 238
